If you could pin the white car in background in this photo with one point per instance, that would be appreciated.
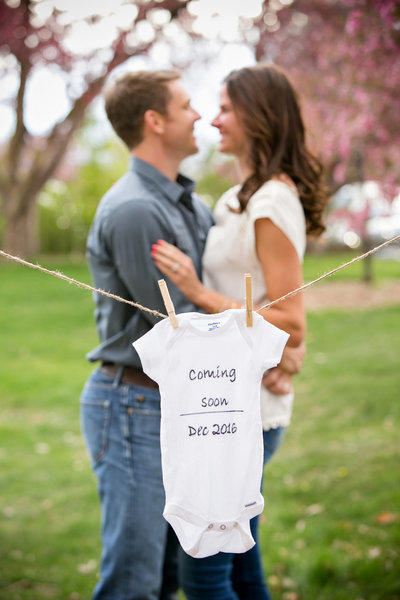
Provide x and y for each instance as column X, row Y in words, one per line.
column 361, row 216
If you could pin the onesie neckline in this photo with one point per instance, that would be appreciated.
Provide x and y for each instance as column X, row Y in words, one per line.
column 216, row 327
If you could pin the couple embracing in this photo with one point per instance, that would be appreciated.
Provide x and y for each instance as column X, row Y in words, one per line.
column 150, row 224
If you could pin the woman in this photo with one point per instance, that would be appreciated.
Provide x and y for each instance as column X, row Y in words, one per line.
column 261, row 228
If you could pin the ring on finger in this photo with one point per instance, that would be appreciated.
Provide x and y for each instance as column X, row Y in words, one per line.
column 175, row 267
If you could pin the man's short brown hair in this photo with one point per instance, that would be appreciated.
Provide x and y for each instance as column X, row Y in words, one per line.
column 129, row 96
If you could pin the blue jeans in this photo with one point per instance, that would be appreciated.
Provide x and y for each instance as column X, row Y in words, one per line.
column 121, row 427
column 227, row 576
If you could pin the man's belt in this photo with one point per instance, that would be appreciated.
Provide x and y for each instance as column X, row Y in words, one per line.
column 129, row 375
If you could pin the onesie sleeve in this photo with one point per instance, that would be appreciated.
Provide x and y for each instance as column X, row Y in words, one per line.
column 276, row 201
column 151, row 348
column 271, row 342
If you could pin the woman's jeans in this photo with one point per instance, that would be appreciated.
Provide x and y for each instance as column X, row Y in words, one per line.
column 230, row 576
column 121, row 426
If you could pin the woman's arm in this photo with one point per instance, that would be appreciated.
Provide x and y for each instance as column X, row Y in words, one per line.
column 282, row 273
column 180, row 271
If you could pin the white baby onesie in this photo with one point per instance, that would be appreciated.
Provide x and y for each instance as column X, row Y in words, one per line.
column 209, row 371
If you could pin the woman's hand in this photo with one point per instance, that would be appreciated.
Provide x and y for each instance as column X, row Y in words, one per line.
column 180, row 271
column 277, row 381
column 293, row 358
column 178, row 268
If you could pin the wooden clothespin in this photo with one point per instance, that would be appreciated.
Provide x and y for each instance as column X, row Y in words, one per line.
column 249, row 300
column 168, row 303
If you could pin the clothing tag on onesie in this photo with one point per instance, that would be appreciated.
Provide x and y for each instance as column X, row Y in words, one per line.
column 209, row 372
column 213, row 325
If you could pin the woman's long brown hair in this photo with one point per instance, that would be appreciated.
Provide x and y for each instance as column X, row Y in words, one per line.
column 268, row 108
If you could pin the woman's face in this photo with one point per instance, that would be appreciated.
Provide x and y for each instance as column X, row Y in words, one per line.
column 232, row 140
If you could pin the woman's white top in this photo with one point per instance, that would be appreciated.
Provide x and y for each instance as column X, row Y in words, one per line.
column 231, row 252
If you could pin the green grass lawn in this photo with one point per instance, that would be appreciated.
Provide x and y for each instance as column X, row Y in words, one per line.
column 331, row 526
column 316, row 265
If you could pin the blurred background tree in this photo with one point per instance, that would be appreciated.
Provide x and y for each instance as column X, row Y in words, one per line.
column 33, row 34
column 342, row 55
column 66, row 206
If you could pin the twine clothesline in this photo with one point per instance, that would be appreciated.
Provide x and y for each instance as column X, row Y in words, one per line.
column 329, row 273
column 159, row 314
column 79, row 283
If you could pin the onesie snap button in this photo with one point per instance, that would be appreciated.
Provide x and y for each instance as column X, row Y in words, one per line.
column 210, row 526
column 222, row 527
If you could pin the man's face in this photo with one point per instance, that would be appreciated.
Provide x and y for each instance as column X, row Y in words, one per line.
column 179, row 123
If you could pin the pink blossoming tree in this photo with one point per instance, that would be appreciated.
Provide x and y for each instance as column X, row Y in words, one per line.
column 343, row 56
column 28, row 40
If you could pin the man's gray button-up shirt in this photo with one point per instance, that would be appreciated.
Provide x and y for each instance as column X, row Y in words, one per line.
column 141, row 208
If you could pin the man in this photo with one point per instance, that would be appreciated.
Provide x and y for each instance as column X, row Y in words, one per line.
column 120, row 405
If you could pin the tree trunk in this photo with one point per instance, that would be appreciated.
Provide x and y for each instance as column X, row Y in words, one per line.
column 367, row 276
column 20, row 231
